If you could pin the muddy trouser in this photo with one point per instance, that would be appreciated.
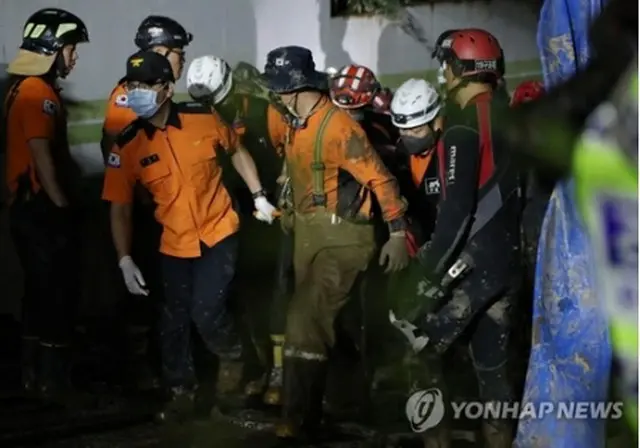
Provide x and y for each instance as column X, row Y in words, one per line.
column 486, row 316
column 283, row 285
column 44, row 238
column 329, row 255
column 196, row 290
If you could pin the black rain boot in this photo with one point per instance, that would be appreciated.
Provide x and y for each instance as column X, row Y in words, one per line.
column 55, row 383
column 303, row 389
column 229, row 392
column 180, row 406
column 29, row 365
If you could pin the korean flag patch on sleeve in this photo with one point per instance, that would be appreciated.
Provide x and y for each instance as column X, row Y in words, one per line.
column 122, row 101
column 114, row 160
column 49, row 107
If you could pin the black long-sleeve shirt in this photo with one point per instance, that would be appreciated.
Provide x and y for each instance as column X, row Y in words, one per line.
column 458, row 197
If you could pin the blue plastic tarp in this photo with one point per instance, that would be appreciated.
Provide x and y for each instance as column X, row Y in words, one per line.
column 571, row 353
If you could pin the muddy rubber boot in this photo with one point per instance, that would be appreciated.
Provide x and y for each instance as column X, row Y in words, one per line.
column 229, row 377
column 180, row 406
column 255, row 388
column 303, row 389
column 54, row 381
column 273, row 395
column 29, row 365
column 497, row 434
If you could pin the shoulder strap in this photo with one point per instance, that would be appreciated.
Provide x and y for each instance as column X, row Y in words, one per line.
column 486, row 155
column 317, row 166
column 245, row 105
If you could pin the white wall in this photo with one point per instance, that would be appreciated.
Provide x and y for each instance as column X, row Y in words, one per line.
column 248, row 29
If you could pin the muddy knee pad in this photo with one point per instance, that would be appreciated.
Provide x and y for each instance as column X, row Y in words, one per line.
column 489, row 352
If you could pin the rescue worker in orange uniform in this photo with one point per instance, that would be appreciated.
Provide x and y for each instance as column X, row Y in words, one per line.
column 334, row 172
column 173, row 150
column 40, row 177
column 168, row 38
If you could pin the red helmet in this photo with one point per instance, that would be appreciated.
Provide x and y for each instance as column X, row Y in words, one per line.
column 527, row 91
column 381, row 101
column 472, row 52
column 353, row 86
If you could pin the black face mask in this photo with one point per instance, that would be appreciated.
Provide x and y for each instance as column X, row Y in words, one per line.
column 420, row 145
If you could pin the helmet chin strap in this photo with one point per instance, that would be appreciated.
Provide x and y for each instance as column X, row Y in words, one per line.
column 61, row 69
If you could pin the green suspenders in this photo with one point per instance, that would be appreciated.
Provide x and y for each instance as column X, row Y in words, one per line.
column 319, row 196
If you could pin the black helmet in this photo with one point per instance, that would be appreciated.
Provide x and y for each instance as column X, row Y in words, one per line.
column 160, row 30
column 50, row 29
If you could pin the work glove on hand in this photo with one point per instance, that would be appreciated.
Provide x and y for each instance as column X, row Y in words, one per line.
column 394, row 253
column 264, row 209
column 132, row 277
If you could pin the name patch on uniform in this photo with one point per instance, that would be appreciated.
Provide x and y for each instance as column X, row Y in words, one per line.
column 149, row 160
column 114, row 160
column 49, row 107
column 432, row 185
column 122, row 101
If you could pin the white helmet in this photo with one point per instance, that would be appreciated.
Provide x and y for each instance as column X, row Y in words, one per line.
column 416, row 102
column 209, row 77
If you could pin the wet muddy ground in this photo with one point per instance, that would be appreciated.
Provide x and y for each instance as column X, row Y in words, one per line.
column 105, row 419
column 111, row 418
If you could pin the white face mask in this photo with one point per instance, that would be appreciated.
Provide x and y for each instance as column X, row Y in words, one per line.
column 441, row 78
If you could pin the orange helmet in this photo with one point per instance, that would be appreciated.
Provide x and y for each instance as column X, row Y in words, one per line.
column 353, row 86
column 527, row 91
column 472, row 52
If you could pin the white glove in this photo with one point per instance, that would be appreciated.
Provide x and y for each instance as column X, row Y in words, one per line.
column 264, row 209
column 132, row 276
